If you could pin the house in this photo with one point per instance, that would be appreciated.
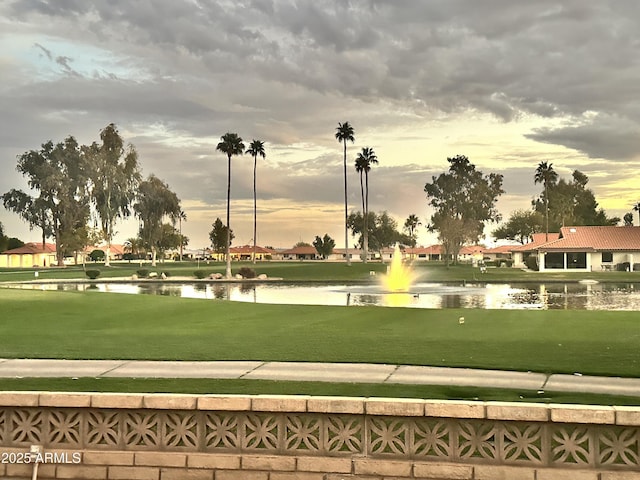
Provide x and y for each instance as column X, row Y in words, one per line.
column 355, row 254
column 471, row 254
column 116, row 251
column 503, row 252
column 29, row 255
column 585, row 248
column 245, row 252
column 520, row 253
column 432, row 252
column 301, row 253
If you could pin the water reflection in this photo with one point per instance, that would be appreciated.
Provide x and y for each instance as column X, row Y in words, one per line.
column 424, row 295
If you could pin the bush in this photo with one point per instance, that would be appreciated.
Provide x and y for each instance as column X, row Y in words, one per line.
column 200, row 274
column 247, row 272
column 142, row 273
column 531, row 262
column 92, row 274
column 97, row 255
column 491, row 263
column 507, row 262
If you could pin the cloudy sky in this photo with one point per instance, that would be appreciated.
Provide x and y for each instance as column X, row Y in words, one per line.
column 509, row 84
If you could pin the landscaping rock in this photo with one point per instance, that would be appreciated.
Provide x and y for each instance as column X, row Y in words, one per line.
column 153, row 275
column 262, row 276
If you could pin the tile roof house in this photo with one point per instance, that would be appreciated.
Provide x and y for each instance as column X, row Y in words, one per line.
column 29, row 255
column 584, row 248
column 301, row 253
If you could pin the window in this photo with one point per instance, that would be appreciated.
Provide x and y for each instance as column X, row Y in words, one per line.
column 607, row 257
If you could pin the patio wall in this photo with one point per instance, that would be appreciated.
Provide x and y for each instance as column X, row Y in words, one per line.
column 171, row 437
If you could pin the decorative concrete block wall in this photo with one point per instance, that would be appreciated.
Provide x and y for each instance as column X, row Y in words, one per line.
column 176, row 437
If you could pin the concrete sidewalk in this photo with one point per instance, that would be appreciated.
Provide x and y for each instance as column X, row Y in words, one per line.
column 319, row 372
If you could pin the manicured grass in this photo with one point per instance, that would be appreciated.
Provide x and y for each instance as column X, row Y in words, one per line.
column 297, row 271
column 257, row 387
column 39, row 324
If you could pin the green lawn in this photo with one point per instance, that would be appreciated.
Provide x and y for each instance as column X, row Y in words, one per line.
column 256, row 387
column 324, row 272
column 93, row 325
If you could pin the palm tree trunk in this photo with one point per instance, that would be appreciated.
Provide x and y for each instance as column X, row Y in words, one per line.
column 346, row 214
column 546, row 211
column 228, row 257
column 366, row 217
column 181, row 242
column 255, row 210
column 364, row 220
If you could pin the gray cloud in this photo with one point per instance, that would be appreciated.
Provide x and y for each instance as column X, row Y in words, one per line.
column 286, row 71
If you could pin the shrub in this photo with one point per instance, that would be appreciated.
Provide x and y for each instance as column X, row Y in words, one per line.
column 92, row 274
column 531, row 262
column 96, row 255
column 491, row 263
column 200, row 274
column 505, row 262
column 247, row 272
column 142, row 273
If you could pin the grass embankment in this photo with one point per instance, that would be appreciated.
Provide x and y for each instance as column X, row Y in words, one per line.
column 296, row 271
column 37, row 324
column 258, row 387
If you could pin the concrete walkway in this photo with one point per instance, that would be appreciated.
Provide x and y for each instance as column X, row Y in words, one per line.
column 319, row 372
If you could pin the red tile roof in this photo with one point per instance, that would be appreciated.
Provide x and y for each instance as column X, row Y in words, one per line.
column 538, row 240
column 248, row 249
column 32, row 249
column 501, row 249
column 596, row 239
column 430, row 250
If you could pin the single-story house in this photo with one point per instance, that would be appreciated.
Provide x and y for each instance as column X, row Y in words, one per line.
column 245, row 252
column 502, row 252
column 116, row 251
column 301, row 253
column 355, row 254
column 432, row 252
column 29, row 255
column 584, row 248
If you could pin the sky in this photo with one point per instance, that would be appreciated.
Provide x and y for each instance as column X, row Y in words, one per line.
column 508, row 84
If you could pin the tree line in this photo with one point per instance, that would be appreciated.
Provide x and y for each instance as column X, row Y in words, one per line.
column 78, row 185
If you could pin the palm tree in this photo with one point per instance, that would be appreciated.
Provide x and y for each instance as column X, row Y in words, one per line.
column 256, row 148
column 636, row 208
column 365, row 159
column 410, row 225
column 546, row 175
column 230, row 145
column 344, row 132
column 181, row 216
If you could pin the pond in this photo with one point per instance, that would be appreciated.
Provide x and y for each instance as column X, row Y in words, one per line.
column 423, row 295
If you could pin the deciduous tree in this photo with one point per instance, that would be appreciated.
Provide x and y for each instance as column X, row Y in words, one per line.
column 520, row 226
column 219, row 235
column 325, row 245
column 463, row 200
column 155, row 204
column 58, row 173
column 115, row 176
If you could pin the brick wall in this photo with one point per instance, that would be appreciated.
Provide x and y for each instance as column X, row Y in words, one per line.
column 184, row 437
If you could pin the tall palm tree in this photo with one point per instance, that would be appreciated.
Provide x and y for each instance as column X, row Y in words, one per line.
column 546, row 175
column 231, row 144
column 410, row 225
column 344, row 133
column 365, row 159
column 181, row 216
column 636, row 208
column 256, row 148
